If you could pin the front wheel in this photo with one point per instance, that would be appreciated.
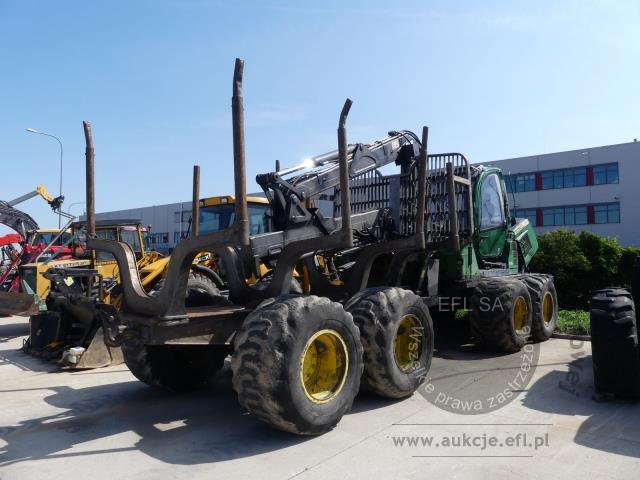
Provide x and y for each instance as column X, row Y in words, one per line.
column 297, row 363
column 544, row 301
column 501, row 314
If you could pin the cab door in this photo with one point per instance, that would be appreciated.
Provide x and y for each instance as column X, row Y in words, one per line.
column 492, row 221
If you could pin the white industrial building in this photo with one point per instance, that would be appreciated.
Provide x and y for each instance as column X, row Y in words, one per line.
column 595, row 189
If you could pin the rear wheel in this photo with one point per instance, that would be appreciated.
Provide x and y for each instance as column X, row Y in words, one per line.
column 544, row 301
column 297, row 363
column 397, row 336
column 179, row 368
column 501, row 314
column 176, row 368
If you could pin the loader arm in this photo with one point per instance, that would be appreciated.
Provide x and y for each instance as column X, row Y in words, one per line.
column 285, row 192
column 20, row 221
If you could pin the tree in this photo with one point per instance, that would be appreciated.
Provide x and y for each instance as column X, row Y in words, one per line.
column 561, row 256
column 583, row 263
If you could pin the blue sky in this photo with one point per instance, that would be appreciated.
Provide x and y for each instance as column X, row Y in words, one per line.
column 492, row 80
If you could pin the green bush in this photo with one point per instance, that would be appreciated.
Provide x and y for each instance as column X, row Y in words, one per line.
column 583, row 263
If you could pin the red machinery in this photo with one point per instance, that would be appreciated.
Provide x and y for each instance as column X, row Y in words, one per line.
column 30, row 243
column 32, row 248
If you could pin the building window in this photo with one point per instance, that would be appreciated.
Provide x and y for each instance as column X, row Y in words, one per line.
column 565, row 178
column 605, row 174
column 528, row 213
column 575, row 215
column 608, row 213
column 549, row 179
column 520, row 183
column 177, row 236
column 578, row 215
column 159, row 238
column 581, row 216
column 575, row 177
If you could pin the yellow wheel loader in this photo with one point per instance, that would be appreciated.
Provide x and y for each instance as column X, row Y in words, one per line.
column 61, row 331
column 218, row 213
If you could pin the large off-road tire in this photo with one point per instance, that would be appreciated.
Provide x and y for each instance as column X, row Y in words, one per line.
column 614, row 344
column 544, row 301
column 501, row 314
column 201, row 291
column 635, row 289
column 397, row 336
column 176, row 368
column 179, row 368
column 297, row 363
column 263, row 284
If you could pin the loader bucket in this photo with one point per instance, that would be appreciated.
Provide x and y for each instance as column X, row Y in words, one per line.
column 18, row 304
column 98, row 354
column 49, row 339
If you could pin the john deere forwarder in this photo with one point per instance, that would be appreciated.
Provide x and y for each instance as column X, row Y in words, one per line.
column 389, row 253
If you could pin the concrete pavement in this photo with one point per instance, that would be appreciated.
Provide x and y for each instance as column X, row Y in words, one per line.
column 106, row 424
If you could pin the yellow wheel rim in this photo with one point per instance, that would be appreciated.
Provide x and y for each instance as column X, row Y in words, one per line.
column 407, row 344
column 520, row 314
column 548, row 308
column 324, row 364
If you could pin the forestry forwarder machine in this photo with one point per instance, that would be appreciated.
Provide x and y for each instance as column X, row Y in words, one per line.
column 375, row 268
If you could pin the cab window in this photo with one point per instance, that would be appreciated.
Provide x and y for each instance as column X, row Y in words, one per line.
column 492, row 205
column 131, row 237
column 106, row 234
column 219, row 217
column 47, row 237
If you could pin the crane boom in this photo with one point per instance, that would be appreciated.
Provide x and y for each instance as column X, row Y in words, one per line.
column 20, row 221
column 40, row 190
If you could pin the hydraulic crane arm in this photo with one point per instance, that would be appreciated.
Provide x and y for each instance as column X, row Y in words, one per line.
column 288, row 193
column 20, row 221
column 55, row 202
column 397, row 147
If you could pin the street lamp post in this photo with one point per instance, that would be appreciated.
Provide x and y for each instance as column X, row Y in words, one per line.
column 33, row 130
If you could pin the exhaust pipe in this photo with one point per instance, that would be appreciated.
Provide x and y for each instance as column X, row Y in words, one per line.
column 453, row 212
column 345, row 193
column 422, row 187
column 195, row 203
column 90, row 180
column 239, row 165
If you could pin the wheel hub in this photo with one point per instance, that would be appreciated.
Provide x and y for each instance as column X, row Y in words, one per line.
column 520, row 314
column 408, row 343
column 548, row 307
column 324, row 364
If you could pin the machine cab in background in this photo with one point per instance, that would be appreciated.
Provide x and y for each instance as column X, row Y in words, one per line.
column 128, row 231
column 218, row 213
